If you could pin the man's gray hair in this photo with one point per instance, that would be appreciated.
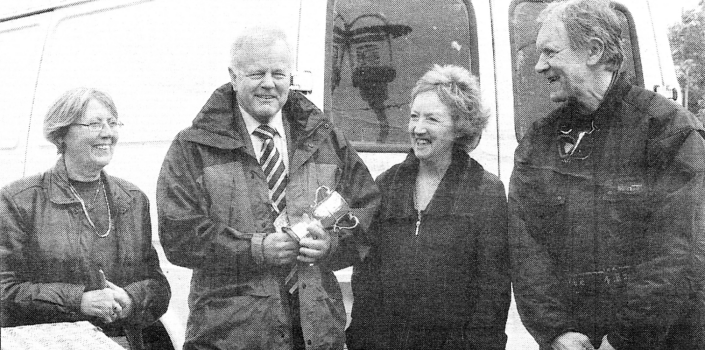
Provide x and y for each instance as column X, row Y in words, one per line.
column 255, row 36
column 588, row 19
column 69, row 108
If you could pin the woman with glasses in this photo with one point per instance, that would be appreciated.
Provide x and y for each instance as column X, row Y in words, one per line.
column 75, row 243
column 437, row 275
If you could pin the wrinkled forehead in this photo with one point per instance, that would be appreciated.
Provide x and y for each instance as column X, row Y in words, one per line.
column 552, row 31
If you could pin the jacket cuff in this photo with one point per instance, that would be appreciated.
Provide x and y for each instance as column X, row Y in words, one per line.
column 334, row 242
column 136, row 291
column 257, row 247
column 74, row 295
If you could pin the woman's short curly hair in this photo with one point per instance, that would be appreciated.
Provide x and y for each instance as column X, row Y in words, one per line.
column 459, row 90
column 68, row 109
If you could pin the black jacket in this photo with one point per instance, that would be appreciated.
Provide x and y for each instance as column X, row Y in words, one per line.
column 612, row 241
column 449, row 281
column 45, row 262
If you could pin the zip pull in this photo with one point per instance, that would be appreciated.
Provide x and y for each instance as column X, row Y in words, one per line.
column 418, row 224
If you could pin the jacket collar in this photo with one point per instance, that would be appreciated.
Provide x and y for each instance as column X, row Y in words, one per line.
column 219, row 123
column 57, row 183
column 463, row 172
column 601, row 116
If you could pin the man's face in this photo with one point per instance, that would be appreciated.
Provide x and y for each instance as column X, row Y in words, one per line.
column 262, row 80
column 565, row 68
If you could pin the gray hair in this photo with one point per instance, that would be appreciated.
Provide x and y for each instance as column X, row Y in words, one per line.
column 588, row 19
column 458, row 90
column 255, row 36
column 68, row 109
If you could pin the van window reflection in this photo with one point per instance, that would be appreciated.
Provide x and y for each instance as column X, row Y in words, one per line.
column 378, row 51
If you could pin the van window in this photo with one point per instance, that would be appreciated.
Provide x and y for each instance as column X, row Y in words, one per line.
column 531, row 93
column 378, row 50
column 19, row 64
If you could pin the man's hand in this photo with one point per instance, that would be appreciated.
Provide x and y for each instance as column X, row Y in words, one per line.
column 279, row 249
column 101, row 303
column 123, row 299
column 572, row 341
column 606, row 344
column 316, row 245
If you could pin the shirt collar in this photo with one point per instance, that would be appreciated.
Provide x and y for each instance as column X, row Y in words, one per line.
column 251, row 123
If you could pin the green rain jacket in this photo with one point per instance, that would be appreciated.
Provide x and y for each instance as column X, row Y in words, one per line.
column 214, row 212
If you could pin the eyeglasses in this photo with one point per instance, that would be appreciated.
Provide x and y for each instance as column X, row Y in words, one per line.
column 97, row 126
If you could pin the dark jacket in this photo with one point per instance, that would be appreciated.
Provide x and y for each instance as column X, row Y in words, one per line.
column 447, row 287
column 44, row 257
column 613, row 243
column 214, row 212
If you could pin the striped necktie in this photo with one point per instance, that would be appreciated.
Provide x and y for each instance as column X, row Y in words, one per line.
column 272, row 166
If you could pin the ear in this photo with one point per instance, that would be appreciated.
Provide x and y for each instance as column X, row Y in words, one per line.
column 233, row 77
column 595, row 50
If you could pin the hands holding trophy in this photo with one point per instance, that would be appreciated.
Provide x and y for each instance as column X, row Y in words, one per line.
column 329, row 211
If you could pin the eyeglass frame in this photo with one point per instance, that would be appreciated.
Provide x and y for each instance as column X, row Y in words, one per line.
column 113, row 124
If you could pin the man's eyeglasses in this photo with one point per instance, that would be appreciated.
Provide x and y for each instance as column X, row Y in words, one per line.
column 98, row 126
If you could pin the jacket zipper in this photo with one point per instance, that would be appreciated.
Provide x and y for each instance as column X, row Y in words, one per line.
column 418, row 223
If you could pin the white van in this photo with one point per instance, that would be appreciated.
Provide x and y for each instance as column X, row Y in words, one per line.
column 355, row 59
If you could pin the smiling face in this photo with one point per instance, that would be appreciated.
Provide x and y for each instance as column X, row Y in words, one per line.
column 262, row 80
column 89, row 151
column 431, row 128
column 565, row 68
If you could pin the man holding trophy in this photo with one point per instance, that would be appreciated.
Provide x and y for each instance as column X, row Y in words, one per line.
column 263, row 198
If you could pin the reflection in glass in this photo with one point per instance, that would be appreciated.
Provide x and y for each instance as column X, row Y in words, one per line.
column 379, row 50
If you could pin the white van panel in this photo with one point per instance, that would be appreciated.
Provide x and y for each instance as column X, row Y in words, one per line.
column 21, row 44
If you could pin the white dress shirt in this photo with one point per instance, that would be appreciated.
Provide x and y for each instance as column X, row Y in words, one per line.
column 275, row 123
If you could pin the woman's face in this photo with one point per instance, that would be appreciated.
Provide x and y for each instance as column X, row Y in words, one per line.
column 431, row 128
column 91, row 150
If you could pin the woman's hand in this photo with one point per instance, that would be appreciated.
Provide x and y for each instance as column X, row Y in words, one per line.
column 101, row 303
column 123, row 299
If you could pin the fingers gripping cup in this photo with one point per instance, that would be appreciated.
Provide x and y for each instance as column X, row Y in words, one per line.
column 330, row 209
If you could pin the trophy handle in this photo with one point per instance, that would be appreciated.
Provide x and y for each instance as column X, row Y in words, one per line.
column 352, row 217
column 318, row 190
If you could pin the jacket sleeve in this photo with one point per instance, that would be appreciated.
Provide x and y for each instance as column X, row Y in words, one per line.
column 150, row 292
column 489, row 318
column 535, row 278
column 672, row 275
column 188, row 234
column 49, row 302
column 362, row 194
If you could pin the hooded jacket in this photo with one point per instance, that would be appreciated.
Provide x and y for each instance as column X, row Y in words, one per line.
column 612, row 242
column 214, row 212
column 45, row 262
column 449, row 283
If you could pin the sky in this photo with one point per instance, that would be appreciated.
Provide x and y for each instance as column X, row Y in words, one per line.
column 671, row 9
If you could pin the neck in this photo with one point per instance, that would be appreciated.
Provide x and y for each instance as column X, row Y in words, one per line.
column 600, row 84
column 79, row 173
column 434, row 168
